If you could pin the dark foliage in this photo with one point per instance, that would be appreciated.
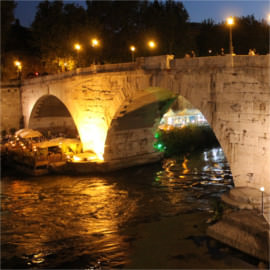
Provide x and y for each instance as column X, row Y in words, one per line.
column 117, row 24
column 187, row 139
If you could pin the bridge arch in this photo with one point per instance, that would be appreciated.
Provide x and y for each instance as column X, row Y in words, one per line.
column 50, row 114
column 233, row 99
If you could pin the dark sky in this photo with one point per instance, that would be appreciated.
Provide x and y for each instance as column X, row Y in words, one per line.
column 197, row 10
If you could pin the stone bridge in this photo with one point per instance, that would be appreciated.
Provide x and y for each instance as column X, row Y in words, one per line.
column 115, row 108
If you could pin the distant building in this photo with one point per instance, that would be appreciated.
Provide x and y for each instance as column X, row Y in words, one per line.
column 182, row 118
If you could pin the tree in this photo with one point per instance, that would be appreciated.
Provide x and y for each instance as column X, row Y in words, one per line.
column 248, row 33
column 7, row 18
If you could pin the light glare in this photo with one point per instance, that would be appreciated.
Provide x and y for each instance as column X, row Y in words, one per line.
column 132, row 48
column 151, row 44
column 77, row 46
column 230, row 21
column 94, row 42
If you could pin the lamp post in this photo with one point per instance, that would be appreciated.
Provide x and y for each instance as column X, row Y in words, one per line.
column 262, row 190
column 18, row 65
column 132, row 49
column 152, row 44
column 268, row 19
column 95, row 43
column 77, row 48
column 230, row 22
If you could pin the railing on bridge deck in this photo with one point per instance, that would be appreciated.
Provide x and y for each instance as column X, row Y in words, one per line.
column 164, row 62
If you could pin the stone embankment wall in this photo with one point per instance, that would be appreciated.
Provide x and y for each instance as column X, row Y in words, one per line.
column 10, row 107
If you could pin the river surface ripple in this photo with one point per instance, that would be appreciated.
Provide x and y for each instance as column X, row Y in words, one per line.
column 151, row 216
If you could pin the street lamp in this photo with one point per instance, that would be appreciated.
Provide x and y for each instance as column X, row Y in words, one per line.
column 230, row 22
column 18, row 65
column 268, row 19
column 77, row 48
column 262, row 190
column 95, row 43
column 132, row 49
column 151, row 44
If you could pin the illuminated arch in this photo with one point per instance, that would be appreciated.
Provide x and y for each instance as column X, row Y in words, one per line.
column 51, row 114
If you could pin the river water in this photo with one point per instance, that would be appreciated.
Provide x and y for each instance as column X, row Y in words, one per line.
column 152, row 216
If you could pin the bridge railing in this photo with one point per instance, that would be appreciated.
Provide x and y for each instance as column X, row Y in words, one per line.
column 107, row 68
column 164, row 62
column 225, row 61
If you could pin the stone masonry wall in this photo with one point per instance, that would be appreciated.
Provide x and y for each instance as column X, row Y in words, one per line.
column 234, row 96
column 129, row 143
column 10, row 107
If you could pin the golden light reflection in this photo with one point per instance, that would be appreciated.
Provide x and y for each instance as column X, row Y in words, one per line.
column 95, row 201
column 184, row 165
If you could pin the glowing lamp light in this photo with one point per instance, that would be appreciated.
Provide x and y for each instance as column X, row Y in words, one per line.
column 18, row 64
column 132, row 48
column 230, row 21
column 77, row 47
column 159, row 146
column 94, row 42
column 151, row 44
column 262, row 189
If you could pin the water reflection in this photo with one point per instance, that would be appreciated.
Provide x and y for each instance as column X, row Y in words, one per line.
column 84, row 222
column 62, row 216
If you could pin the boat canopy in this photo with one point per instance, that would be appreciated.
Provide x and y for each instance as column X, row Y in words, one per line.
column 27, row 133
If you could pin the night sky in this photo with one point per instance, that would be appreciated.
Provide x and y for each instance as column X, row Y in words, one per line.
column 197, row 10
